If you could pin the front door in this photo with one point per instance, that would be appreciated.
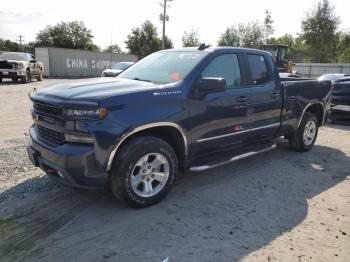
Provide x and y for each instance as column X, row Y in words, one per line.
column 218, row 118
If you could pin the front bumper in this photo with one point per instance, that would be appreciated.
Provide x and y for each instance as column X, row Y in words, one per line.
column 72, row 164
column 11, row 73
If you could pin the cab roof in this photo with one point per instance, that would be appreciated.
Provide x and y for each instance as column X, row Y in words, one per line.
column 215, row 49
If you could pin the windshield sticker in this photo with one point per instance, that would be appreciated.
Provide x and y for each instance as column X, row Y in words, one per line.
column 175, row 75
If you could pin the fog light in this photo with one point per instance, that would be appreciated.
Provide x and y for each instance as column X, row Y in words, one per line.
column 78, row 138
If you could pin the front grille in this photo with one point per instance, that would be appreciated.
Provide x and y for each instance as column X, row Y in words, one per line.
column 47, row 109
column 53, row 137
column 5, row 65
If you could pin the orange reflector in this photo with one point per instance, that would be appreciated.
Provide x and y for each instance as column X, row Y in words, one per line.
column 102, row 113
column 237, row 128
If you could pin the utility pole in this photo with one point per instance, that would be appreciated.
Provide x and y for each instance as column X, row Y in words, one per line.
column 164, row 18
column 20, row 40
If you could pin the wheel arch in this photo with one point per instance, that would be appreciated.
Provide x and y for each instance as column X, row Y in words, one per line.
column 170, row 132
column 317, row 108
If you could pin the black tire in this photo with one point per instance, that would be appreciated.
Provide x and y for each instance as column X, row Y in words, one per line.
column 0, row 79
column 124, row 163
column 297, row 142
column 40, row 76
column 27, row 78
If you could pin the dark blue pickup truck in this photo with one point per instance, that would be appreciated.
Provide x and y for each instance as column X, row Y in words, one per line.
column 188, row 109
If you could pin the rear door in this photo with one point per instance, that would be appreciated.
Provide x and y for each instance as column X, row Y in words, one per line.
column 217, row 118
column 266, row 97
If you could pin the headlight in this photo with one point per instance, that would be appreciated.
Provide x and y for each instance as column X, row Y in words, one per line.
column 99, row 113
column 20, row 66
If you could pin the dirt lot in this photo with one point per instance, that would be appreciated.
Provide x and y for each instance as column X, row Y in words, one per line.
column 280, row 206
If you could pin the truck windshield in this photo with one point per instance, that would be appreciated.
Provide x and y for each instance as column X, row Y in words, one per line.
column 164, row 67
column 14, row 56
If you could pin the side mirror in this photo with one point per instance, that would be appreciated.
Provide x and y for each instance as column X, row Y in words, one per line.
column 32, row 61
column 211, row 85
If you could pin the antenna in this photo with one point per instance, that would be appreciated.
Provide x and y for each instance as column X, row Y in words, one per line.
column 203, row 46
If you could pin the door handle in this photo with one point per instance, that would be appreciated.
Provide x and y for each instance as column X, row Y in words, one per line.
column 242, row 99
column 276, row 94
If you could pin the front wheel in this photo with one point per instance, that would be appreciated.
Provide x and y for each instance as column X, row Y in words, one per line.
column 26, row 78
column 40, row 76
column 144, row 171
column 306, row 135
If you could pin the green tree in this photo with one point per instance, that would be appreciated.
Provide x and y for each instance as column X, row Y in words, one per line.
column 268, row 25
column 344, row 48
column 72, row 35
column 8, row 45
column 168, row 43
column 191, row 38
column 319, row 30
column 115, row 49
column 251, row 35
column 143, row 41
column 230, row 37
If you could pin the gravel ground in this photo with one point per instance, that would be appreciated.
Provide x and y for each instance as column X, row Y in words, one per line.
column 280, row 206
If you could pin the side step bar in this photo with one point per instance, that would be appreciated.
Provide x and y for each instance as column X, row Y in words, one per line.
column 233, row 159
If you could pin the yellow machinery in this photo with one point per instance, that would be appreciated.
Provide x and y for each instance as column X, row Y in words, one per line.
column 279, row 52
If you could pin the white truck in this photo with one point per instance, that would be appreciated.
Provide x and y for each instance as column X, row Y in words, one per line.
column 21, row 66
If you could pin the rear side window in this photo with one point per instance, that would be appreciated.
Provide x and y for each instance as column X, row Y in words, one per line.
column 227, row 67
column 258, row 67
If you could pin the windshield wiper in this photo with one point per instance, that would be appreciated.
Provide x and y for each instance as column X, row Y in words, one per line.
column 143, row 80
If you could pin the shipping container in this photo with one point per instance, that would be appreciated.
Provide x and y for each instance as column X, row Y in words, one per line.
column 62, row 62
column 314, row 70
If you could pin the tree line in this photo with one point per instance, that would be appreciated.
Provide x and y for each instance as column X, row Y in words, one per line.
column 320, row 40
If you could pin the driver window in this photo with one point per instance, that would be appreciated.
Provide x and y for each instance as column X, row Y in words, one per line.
column 227, row 67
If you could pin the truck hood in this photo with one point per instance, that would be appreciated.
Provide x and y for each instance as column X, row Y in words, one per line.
column 13, row 61
column 91, row 90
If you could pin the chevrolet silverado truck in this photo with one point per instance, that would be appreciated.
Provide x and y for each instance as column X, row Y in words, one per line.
column 21, row 66
column 180, row 109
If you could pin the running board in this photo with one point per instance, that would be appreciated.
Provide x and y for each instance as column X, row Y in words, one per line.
column 233, row 159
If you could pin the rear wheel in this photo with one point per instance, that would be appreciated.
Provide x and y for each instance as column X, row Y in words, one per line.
column 144, row 171
column 306, row 135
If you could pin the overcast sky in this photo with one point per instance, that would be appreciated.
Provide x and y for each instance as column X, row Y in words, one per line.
column 112, row 20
